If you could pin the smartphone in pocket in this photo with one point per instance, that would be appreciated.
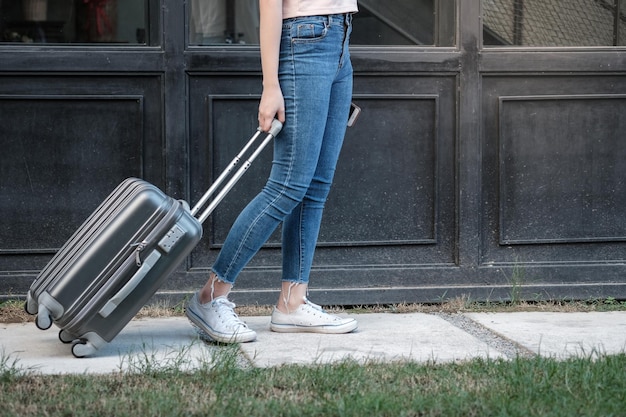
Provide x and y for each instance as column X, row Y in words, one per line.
column 355, row 111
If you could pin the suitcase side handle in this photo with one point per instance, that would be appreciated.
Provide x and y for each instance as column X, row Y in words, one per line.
column 132, row 283
column 272, row 133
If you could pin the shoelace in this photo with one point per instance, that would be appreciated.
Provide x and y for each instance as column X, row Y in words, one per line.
column 315, row 306
column 226, row 311
column 319, row 311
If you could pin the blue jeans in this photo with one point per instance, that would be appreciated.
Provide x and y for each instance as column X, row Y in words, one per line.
column 315, row 75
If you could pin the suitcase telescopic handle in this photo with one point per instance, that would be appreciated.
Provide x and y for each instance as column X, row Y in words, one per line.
column 272, row 133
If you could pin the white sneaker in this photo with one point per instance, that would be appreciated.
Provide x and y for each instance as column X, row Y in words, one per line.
column 219, row 320
column 310, row 318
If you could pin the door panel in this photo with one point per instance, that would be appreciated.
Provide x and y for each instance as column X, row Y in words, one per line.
column 553, row 169
column 561, row 164
column 392, row 202
column 68, row 141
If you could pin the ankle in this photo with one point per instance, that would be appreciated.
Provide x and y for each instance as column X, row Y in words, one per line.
column 213, row 289
column 289, row 307
column 292, row 295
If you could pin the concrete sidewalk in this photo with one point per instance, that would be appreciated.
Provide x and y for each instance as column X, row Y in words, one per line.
column 419, row 337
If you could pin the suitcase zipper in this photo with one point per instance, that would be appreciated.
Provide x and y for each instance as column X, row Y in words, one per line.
column 139, row 247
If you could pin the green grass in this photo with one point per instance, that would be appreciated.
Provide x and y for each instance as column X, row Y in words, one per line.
column 521, row 387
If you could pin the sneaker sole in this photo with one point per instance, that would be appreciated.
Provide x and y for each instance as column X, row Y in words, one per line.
column 201, row 333
column 324, row 329
column 217, row 337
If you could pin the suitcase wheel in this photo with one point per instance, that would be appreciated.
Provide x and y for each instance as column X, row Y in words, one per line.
column 82, row 348
column 30, row 306
column 43, row 320
column 66, row 337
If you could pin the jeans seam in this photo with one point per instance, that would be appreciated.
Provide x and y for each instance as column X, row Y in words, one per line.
column 301, row 242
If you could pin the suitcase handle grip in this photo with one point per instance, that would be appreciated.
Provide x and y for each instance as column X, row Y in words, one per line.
column 275, row 128
column 273, row 132
column 132, row 283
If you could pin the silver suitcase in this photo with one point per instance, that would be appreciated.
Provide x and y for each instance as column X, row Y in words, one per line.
column 121, row 255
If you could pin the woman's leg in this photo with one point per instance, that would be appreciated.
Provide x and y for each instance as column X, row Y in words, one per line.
column 301, row 226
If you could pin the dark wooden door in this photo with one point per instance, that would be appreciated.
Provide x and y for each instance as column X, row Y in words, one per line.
column 487, row 163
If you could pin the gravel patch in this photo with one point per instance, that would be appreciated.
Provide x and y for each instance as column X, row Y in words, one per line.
column 495, row 341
